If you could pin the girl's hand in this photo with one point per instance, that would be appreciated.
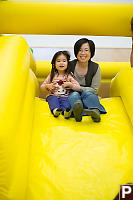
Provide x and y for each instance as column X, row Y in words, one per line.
column 51, row 87
column 67, row 85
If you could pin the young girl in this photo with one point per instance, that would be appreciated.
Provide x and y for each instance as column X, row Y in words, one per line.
column 59, row 83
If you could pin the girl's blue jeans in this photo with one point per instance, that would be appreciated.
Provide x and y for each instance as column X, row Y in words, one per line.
column 57, row 102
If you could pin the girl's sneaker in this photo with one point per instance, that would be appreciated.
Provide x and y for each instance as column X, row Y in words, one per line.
column 67, row 113
column 57, row 112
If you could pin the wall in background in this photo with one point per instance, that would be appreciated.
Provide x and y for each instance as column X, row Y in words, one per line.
column 108, row 49
column 101, row 54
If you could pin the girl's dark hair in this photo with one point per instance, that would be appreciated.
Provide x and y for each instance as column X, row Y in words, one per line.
column 132, row 24
column 81, row 41
column 54, row 70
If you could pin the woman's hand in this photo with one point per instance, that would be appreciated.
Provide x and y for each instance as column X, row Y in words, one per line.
column 67, row 85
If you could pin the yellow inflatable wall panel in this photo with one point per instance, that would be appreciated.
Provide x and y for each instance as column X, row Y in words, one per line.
column 65, row 18
column 108, row 69
column 43, row 68
column 122, row 86
column 18, row 86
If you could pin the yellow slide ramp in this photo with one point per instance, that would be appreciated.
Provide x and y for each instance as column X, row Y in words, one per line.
column 42, row 157
column 86, row 160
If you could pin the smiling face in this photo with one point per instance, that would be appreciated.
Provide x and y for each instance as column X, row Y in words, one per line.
column 84, row 53
column 61, row 64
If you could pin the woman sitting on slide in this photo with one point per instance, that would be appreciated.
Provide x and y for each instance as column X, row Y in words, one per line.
column 88, row 74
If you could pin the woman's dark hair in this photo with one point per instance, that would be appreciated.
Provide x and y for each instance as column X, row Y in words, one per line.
column 81, row 41
column 54, row 70
column 132, row 24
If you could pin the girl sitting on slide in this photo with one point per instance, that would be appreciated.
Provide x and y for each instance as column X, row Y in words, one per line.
column 59, row 83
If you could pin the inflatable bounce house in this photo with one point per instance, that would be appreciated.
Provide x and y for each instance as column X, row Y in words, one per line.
column 47, row 158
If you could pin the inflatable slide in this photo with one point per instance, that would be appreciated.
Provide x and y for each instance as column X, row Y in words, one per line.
column 42, row 157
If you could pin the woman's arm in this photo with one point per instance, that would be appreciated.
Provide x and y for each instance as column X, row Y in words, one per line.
column 95, row 84
column 72, row 84
column 75, row 84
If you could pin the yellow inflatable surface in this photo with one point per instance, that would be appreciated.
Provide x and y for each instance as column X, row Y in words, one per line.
column 42, row 157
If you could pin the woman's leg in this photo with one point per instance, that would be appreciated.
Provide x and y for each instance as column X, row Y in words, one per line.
column 91, row 102
column 73, row 97
column 76, row 105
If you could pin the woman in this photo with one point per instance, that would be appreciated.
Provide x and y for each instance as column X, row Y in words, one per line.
column 88, row 74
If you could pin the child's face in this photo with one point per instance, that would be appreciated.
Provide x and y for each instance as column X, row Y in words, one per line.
column 61, row 63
